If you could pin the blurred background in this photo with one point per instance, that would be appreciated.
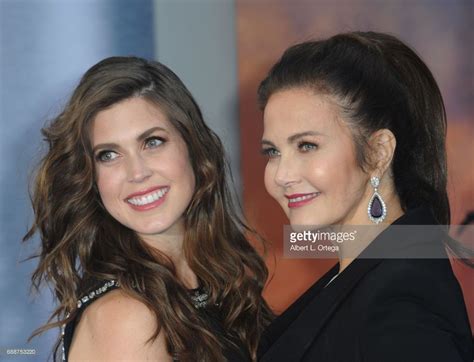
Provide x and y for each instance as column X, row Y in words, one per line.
column 221, row 49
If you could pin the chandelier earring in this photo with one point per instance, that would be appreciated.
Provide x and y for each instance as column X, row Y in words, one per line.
column 377, row 210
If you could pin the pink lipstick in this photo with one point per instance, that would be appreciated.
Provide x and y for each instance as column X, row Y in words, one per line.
column 298, row 200
column 147, row 199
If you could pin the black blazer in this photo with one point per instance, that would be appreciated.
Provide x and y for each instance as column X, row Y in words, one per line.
column 377, row 310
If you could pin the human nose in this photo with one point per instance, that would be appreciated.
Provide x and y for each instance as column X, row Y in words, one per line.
column 137, row 169
column 287, row 173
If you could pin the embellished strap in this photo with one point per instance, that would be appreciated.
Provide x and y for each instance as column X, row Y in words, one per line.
column 88, row 298
column 199, row 298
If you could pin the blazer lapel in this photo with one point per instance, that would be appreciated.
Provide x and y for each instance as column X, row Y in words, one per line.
column 274, row 331
column 300, row 334
column 296, row 329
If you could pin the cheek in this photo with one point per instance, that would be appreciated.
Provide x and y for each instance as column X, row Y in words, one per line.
column 188, row 175
column 178, row 167
column 319, row 172
column 106, row 184
column 345, row 176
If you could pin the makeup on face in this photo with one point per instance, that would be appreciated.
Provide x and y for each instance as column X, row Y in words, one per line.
column 147, row 199
column 144, row 175
column 298, row 200
column 311, row 170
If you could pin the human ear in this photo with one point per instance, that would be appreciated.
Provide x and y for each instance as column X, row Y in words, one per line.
column 382, row 148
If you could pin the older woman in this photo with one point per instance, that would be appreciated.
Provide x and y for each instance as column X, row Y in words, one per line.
column 140, row 239
column 354, row 132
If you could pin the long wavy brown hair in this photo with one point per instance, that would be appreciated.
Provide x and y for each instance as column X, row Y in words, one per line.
column 82, row 243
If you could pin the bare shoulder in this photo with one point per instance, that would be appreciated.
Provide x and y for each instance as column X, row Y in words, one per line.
column 117, row 309
column 117, row 327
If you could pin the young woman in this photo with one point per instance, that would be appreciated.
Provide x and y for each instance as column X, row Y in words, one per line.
column 354, row 132
column 140, row 240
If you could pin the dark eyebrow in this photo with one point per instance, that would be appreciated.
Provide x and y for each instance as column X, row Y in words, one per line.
column 149, row 132
column 140, row 138
column 268, row 143
column 294, row 137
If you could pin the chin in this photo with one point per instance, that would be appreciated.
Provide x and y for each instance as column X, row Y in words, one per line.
column 302, row 221
column 145, row 229
column 305, row 217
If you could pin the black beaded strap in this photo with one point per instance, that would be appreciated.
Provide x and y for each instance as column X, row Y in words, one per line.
column 198, row 297
column 96, row 293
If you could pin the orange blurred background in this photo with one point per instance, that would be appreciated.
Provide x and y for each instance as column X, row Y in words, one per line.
column 440, row 31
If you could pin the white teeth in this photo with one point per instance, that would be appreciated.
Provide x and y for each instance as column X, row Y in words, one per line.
column 148, row 199
column 305, row 197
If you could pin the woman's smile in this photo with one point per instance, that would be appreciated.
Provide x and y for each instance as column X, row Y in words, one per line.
column 309, row 148
column 298, row 200
column 149, row 199
column 144, row 175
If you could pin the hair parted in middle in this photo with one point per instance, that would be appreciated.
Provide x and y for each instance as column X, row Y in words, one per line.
column 82, row 243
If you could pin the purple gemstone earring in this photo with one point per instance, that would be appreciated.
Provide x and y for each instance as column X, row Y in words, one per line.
column 377, row 209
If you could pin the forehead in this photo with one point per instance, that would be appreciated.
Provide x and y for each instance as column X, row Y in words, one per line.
column 127, row 119
column 299, row 110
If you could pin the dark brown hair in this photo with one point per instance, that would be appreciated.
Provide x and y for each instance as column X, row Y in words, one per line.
column 379, row 83
column 82, row 243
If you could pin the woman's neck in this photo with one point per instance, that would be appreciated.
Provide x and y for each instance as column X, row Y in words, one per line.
column 350, row 251
column 172, row 247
